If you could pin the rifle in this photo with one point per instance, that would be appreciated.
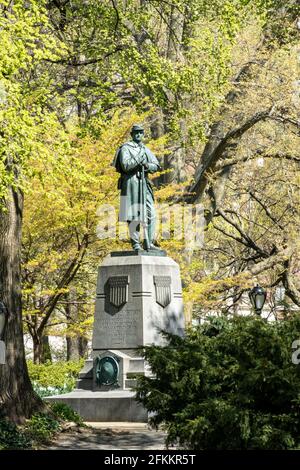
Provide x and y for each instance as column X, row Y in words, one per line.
column 144, row 208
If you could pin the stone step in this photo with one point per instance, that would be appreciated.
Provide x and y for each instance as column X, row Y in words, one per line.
column 130, row 383
column 136, row 365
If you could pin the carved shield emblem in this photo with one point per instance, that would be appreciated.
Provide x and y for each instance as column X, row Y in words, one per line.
column 118, row 290
column 162, row 289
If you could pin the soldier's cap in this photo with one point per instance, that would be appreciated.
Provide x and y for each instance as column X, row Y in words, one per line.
column 137, row 127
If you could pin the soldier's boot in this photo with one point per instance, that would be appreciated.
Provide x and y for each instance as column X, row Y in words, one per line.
column 151, row 233
column 134, row 230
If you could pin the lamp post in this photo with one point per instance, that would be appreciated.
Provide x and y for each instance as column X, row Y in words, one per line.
column 257, row 297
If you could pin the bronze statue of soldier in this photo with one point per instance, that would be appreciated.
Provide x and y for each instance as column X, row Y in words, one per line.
column 134, row 161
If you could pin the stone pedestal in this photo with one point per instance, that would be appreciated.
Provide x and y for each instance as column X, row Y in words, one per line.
column 137, row 296
column 2, row 352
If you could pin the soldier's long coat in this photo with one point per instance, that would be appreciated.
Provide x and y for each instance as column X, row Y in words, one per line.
column 127, row 161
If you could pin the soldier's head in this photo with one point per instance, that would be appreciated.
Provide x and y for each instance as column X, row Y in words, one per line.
column 137, row 133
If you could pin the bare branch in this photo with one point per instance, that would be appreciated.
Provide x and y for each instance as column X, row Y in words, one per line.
column 117, row 15
column 65, row 280
column 270, row 262
column 73, row 62
column 265, row 208
column 235, row 161
column 230, row 235
column 250, row 243
column 224, row 144
column 285, row 120
column 290, row 288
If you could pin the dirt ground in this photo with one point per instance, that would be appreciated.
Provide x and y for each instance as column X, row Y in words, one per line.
column 109, row 436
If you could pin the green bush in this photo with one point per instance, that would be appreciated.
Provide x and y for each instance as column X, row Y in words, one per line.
column 229, row 384
column 41, row 428
column 37, row 430
column 66, row 413
column 54, row 378
column 11, row 437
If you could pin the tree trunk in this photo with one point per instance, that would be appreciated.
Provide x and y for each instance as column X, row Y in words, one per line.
column 72, row 348
column 46, row 350
column 175, row 160
column 17, row 398
column 82, row 346
column 37, row 349
column 41, row 349
column 76, row 345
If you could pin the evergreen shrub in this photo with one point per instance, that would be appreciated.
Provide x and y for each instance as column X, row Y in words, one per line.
column 229, row 384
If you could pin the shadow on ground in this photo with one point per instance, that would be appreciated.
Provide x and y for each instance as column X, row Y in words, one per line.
column 109, row 439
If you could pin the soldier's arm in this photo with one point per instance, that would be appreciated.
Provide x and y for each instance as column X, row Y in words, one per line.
column 128, row 162
column 152, row 164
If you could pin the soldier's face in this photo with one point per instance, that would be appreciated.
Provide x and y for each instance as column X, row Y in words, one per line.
column 137, row 136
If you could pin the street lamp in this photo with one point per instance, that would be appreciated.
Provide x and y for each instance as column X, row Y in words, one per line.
column 257, row 297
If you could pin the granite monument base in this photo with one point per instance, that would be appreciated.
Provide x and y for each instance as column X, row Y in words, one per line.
column 110, row 406
column 139, row 294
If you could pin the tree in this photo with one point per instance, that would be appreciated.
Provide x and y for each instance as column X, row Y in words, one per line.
column 72, row 67
column 253, row 236
column 247, row 174
column 278, row 31
column 230, row 384
column 22, row 125
column 173, row 56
